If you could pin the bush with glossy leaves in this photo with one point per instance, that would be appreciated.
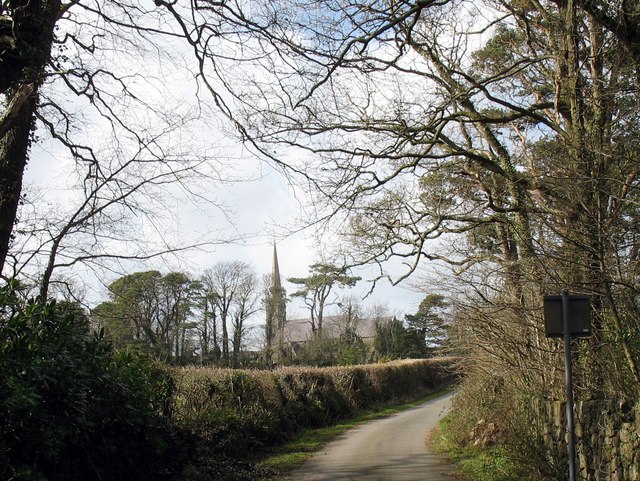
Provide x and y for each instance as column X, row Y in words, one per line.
column 71, row 408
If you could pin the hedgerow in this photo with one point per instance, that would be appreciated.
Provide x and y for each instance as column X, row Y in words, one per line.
column 236, row 413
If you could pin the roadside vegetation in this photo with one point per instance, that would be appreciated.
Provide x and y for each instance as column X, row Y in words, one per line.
column 240, row 415
column 73, row 408
column 476, row 463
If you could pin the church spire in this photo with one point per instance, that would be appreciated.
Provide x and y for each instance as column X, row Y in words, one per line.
column 275, row 269
column 276, row 316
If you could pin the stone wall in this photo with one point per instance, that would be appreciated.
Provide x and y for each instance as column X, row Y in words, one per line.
column 607, row 439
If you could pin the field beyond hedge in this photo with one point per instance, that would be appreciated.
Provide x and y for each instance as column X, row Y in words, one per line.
column 237, row 413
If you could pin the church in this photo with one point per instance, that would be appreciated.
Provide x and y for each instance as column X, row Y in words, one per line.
column 286, row 338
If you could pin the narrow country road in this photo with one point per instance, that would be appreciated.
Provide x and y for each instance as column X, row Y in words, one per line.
column 389, row 449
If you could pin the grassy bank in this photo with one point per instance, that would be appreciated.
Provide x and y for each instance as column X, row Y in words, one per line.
column 491, row 463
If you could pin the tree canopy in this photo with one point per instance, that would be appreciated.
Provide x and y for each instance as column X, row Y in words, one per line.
column 498, row 138
column 117, row 99
column 178, row 318
column 430, row 322
column 316, row 289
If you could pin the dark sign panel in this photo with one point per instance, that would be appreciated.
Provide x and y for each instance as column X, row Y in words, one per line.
column 579, row 316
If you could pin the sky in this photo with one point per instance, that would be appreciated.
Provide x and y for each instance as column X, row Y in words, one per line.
column 261, row 208
column 255, row 210
column 257, row 213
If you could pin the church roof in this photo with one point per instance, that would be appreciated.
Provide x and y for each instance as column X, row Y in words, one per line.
column 299, row 330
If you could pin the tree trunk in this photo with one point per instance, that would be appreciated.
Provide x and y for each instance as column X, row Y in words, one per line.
column 237, row 339
column 22, row 65
column 205, row 330
column 14, row 149
column 225, row 339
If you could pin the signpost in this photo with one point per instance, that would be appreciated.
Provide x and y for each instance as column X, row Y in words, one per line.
column 568, row 316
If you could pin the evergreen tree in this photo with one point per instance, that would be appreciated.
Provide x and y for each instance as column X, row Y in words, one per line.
column 429, row 322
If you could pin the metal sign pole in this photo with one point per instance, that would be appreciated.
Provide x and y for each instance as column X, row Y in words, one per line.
column 568, row 386
column 566, row 317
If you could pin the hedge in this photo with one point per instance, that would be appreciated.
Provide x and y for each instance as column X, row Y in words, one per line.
column 237, row 412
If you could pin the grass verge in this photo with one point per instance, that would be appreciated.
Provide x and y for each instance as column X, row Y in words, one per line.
column 293, row 454
column 475, row 463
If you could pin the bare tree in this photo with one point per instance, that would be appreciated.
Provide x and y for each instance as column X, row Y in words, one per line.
column 233, row 289
column 206, row 313
column 107, row 90
column 351, row 310
column 246, row 304
column 502, row 130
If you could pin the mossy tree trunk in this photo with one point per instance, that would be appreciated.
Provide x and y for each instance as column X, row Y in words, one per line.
column 25, row 49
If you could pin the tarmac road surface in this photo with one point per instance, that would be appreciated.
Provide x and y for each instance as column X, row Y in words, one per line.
column 389, row 449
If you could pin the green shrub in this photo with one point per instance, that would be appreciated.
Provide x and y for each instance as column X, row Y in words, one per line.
column 70, row 407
